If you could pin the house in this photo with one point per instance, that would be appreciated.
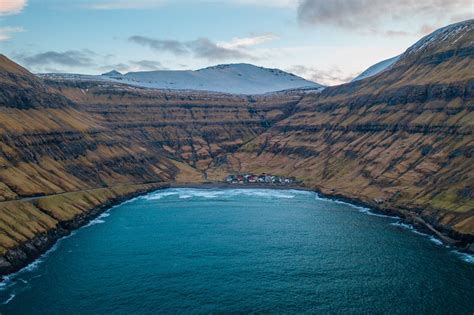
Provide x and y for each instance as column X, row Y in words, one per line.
column 230, row 179
column 276, row 180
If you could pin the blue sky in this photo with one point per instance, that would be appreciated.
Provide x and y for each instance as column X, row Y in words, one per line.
column 328, row 41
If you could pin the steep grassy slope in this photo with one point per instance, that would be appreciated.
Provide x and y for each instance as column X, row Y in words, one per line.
column 192, row 127
column 402, row 139
column 55, row 147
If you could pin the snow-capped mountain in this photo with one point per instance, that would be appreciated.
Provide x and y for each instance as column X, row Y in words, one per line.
column 377, row 68
column 232, row 78
column 441, row 38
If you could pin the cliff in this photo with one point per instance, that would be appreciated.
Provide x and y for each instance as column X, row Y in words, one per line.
column 401, row 140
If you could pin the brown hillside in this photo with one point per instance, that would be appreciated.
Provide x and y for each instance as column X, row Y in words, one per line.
column 401, row 140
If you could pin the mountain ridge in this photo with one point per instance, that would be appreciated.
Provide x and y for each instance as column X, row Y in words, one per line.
column 239, row 78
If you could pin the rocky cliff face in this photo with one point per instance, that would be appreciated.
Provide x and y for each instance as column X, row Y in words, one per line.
column 194, row 127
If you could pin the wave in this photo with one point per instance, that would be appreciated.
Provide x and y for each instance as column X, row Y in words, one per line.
column 10, row 280
column 187, row 193
column 409, row 227
column 160, row 194
column 12, row 296
column 359, row 208
column 469, row 258
column 99, row 219
column 412, row 229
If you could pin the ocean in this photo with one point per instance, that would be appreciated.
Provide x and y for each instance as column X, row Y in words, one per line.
column 243, row 251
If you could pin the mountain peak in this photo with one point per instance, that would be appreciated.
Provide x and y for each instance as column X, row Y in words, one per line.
column 442, row 38
column 113, row 73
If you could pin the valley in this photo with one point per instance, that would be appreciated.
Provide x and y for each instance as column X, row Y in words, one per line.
column 400, row 141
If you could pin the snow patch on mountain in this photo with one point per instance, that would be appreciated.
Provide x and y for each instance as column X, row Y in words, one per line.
column 232, row 78
column 451, row 32
column 376, row 69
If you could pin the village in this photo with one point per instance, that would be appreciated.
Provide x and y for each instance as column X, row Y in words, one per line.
column 261, row 179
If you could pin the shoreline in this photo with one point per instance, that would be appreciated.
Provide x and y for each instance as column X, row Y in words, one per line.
column 23, row 255
column 32, row 250
column 405, row 215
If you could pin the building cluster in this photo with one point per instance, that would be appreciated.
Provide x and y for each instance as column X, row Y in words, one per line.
column 260, row 179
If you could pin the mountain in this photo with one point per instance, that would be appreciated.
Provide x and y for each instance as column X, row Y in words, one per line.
column 21, row 89
column 377, row 68
column 112, row 74
column 401, row 141
column 232, row 78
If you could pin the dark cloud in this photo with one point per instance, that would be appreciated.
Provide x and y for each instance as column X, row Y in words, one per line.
column 200, row 48
column 173, row 46
column 367, row 14
column 70, row 58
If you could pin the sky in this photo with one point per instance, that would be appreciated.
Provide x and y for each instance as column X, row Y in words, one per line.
column 327, row 41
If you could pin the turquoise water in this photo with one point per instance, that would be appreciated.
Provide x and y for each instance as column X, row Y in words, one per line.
column 269, row 251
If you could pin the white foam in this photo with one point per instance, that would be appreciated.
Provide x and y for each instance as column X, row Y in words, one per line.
column 12, row 296
column 435, row 240
column 360, row 208
column 9, row 280
column 469, row 258
column 411, row 228
column 99, row 219
column 160, row 194
column 367, row 211
column 187, row 193
column 408, row 227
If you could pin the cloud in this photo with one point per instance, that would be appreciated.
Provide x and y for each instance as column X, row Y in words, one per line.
column 331, row 76
column 173, row 46
column 7, row 31
column 132, row 65
column 121, row 67
column 239, row 42
column 206, row 49
column 124, row 4
column 8, row 7
column 266, row 3
column 146, row 4
column 147, row 65
column 70, row 58
column 372, row 14
column 200, row 48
